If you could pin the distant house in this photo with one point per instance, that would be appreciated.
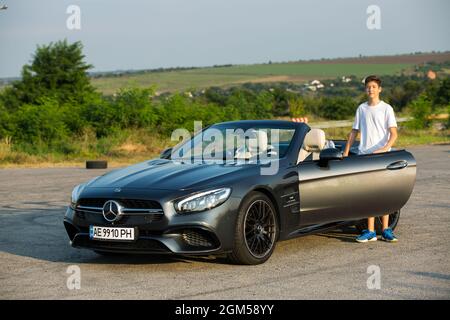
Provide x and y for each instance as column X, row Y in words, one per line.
column 431, row 75
column 346, row 79
column 315, row 82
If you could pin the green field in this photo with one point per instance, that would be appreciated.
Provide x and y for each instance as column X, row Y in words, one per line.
column 222, row 76
column 329, row 70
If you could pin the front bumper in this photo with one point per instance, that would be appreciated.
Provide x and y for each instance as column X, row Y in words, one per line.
column 201, row 233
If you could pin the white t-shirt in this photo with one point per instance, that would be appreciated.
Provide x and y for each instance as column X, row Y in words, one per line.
column 374, row 122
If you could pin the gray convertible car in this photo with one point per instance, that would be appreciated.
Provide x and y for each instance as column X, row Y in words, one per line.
column 286, row 180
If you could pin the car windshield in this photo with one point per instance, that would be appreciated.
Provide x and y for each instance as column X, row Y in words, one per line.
column 234, row 141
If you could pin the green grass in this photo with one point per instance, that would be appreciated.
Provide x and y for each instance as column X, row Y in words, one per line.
column 406, row 137
column 222, row 76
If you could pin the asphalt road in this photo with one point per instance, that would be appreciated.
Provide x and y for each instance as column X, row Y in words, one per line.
column 35, row 251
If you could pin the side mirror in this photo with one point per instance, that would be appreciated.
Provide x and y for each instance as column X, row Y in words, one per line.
column 166, row 153
column 329, row 154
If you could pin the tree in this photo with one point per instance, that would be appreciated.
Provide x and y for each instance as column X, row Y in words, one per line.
column 443, row 93
column 57, row 70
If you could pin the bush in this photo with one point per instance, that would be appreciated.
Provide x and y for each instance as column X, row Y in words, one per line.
column 133, row 108
column 40, row 125
column 337, row 108
column 6, row 123
column 442, row 96
column 296, row 107
column 179, row 111
column 421, row 109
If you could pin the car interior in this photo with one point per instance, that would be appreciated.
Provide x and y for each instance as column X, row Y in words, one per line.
column 315, row 142
column 257, row 143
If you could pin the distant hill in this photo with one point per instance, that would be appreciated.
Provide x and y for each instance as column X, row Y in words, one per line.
column 293, row 71
column 179, row 79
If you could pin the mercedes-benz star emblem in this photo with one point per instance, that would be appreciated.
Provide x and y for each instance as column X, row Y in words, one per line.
column 112, row 211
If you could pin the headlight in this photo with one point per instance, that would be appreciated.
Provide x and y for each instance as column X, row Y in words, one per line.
column 77, row 191
column 75, row 194
column 203, row 201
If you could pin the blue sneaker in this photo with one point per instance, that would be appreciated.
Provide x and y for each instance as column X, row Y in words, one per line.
column 366, row 236
column 388, row 235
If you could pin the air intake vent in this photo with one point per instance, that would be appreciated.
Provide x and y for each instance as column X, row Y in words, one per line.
column 197, row 239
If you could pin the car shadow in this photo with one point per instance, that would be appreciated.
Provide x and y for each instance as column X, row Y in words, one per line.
column 39, row 233
column 345, row 234
column 434, row 275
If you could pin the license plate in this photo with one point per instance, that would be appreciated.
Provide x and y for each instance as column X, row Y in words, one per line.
column 108, row 233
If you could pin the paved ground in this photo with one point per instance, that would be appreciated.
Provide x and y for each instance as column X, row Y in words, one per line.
column 35, row 253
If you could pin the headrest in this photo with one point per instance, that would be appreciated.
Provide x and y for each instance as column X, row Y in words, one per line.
column 314, row 140
column 257, row 139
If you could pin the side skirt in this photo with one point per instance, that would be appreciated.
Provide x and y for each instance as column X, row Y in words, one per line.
column 308, row 230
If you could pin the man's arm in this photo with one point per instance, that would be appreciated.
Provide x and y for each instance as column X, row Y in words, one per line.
column 392, row 137
column 351, row 139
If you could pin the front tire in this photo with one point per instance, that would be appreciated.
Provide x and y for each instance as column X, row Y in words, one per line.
column 393, row 221
column 256, row 230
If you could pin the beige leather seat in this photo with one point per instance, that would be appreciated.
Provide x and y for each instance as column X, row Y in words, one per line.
column 314, row 143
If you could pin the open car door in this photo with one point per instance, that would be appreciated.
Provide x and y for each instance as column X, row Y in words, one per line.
column 355, row 187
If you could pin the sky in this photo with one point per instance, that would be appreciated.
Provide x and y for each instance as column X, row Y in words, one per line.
column 148, row 34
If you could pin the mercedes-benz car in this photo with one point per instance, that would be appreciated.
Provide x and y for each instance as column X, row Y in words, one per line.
column 282, row 180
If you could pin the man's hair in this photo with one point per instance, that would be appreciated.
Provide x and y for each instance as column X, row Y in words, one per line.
column 372, row 78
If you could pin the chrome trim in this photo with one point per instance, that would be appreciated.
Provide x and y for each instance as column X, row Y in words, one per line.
column 155, row 211
column 89, row 208
column 129, row 211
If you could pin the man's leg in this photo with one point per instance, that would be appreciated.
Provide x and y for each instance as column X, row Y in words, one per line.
column 387, row 234
column 371, row 224
column 385, row 222
column 370, row 234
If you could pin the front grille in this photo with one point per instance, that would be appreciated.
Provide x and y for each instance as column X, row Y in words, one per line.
column 152, row 210
column 197, row 239
column 127, row 203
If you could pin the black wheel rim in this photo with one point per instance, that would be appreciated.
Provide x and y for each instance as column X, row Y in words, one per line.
column 259, row 228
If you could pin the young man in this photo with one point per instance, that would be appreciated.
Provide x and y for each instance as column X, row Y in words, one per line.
column 375, row 120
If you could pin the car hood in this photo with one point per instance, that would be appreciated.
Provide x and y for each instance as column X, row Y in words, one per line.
column 167, row 175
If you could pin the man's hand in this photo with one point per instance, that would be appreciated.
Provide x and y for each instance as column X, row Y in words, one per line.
column 381, row 150
column 351, row 138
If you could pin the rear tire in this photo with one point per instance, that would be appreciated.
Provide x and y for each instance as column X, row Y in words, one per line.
column 393, row 221
column 256, row 230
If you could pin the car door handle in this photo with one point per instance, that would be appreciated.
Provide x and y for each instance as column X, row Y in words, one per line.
column 397, row 165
